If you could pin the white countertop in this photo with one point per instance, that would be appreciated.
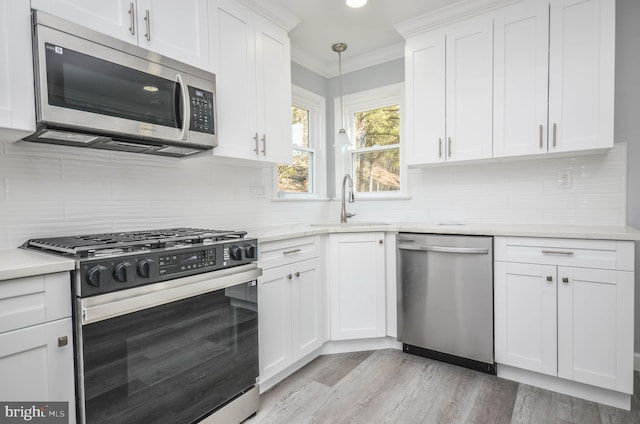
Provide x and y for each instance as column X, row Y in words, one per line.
column 18, row 263
column 273, row 233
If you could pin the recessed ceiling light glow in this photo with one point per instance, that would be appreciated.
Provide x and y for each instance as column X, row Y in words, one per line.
column 356, row 3
column 150, row 88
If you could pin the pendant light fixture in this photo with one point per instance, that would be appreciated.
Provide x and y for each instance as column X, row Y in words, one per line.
column 342, row 139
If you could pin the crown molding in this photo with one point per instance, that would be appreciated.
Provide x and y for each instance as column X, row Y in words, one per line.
column 274, row 12
column 350, row 64
column 446, row 15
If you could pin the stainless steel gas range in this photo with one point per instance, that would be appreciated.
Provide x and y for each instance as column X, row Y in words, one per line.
column 166, row 325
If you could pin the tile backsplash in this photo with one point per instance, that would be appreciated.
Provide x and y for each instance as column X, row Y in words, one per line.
column 54, row 190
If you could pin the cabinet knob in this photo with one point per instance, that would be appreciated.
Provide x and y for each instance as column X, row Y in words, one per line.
column 63, row 341
column 549, row 278
column 380, row 241
column 297, row 274
column 289, row 276
column 565, row 279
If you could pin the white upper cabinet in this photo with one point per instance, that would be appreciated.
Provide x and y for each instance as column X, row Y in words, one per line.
column 175, row 29
column 449, row 77
column 521, row 67
column 17, row 111
column 581, row 74
column 251, row 59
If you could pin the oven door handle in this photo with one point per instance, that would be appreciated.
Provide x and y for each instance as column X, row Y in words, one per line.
column 102, row 307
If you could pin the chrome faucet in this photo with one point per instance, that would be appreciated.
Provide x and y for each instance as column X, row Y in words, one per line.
column 343, row 214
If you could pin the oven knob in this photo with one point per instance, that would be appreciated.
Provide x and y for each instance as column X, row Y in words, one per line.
column 98, row 275
column 147, row 267
column 250, row 251
column 236, row 253
column 123, row 272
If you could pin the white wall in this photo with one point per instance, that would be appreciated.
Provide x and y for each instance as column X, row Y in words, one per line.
column 55, row 190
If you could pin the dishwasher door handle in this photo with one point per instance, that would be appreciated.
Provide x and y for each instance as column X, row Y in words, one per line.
column 444, row 249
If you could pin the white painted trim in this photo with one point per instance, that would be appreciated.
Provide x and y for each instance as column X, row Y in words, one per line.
column 566, row 387
column 273, row 11
column 344, row 346
column 278, row 377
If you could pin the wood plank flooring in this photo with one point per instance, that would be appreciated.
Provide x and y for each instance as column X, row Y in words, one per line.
column 389, row 386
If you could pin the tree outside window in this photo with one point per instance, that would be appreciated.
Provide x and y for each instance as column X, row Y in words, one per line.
column 298, row 177
column 375, row 158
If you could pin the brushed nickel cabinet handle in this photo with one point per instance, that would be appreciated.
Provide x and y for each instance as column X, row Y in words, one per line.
column 440, row 147
column 255, row 137
column 132, row 19
column 555, row 132
column 148, row 23
column 63, row 341
column 290, row 252
column 557, row 252
column 449, row 146
column 565, row 279
column 264, row 144
column 541, row 136
column 549, row 278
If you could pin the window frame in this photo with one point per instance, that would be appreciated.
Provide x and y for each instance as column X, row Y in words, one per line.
column 316, row 105
column 359, row 102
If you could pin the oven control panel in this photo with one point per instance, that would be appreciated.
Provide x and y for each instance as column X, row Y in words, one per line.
column 120, row 272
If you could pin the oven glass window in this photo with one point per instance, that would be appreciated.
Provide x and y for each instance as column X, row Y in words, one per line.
column 173, row 363
column 82, row 82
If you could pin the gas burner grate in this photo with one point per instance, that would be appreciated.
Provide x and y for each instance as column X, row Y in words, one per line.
column 85, row 245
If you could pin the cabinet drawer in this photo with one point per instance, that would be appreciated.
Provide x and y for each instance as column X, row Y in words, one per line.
column 281, row 252
column 603, row 254
column 34, row 300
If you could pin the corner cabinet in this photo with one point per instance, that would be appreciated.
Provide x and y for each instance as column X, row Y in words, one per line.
column 554, row 76
column 252, row 60
column 36, row 340
column 17, row 111
column 357, row 285
column 174, row 29
column 290, row 304
column 449, row 77
column 564, row 308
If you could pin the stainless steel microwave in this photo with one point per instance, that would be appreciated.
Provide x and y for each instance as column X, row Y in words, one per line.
column 96, row 91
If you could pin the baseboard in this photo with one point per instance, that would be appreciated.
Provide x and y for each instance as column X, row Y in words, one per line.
column 636, row 361
column 566, row 387
column 344, row 346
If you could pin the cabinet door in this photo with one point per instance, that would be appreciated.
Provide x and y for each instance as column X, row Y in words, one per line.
column 306, row 307
column 525, row 316
column 274, row 325
column 425, row 98
column 357, row 275
column 37, row 367
column 581, row 74
column 595, row 327
column 273, row 92
column 116, row 18
column 469, row 86
column 233, row 50
column 177, row 29
column 17, row 114
column 521, row 43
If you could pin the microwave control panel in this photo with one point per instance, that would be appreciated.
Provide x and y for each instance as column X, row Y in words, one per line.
column 201, row 104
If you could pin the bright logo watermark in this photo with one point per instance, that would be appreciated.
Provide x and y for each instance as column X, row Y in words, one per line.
column 34, row 412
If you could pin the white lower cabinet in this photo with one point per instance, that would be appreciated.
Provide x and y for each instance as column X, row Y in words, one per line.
column 290, row 304
column 357, row 285
column 36, row 340
column 564, row 308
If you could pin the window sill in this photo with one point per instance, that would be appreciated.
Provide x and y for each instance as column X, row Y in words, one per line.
column 300, row 199
column 362, row 197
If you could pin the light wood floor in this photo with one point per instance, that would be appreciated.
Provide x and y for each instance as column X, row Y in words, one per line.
column 389, row 386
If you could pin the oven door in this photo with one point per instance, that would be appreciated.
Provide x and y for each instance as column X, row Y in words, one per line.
column 170, row 352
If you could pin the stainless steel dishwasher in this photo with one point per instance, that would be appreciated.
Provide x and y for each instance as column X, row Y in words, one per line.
column 445, row 298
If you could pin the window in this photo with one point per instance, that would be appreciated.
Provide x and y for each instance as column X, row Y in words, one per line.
column 304, row 177
column 372, row 120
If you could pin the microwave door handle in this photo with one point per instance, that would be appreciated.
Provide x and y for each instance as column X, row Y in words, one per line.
column 186, row 118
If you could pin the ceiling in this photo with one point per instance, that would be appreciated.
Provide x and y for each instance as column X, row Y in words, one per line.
column 367, row 31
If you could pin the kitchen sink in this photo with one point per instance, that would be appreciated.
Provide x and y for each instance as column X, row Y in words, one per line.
column 349, row 224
